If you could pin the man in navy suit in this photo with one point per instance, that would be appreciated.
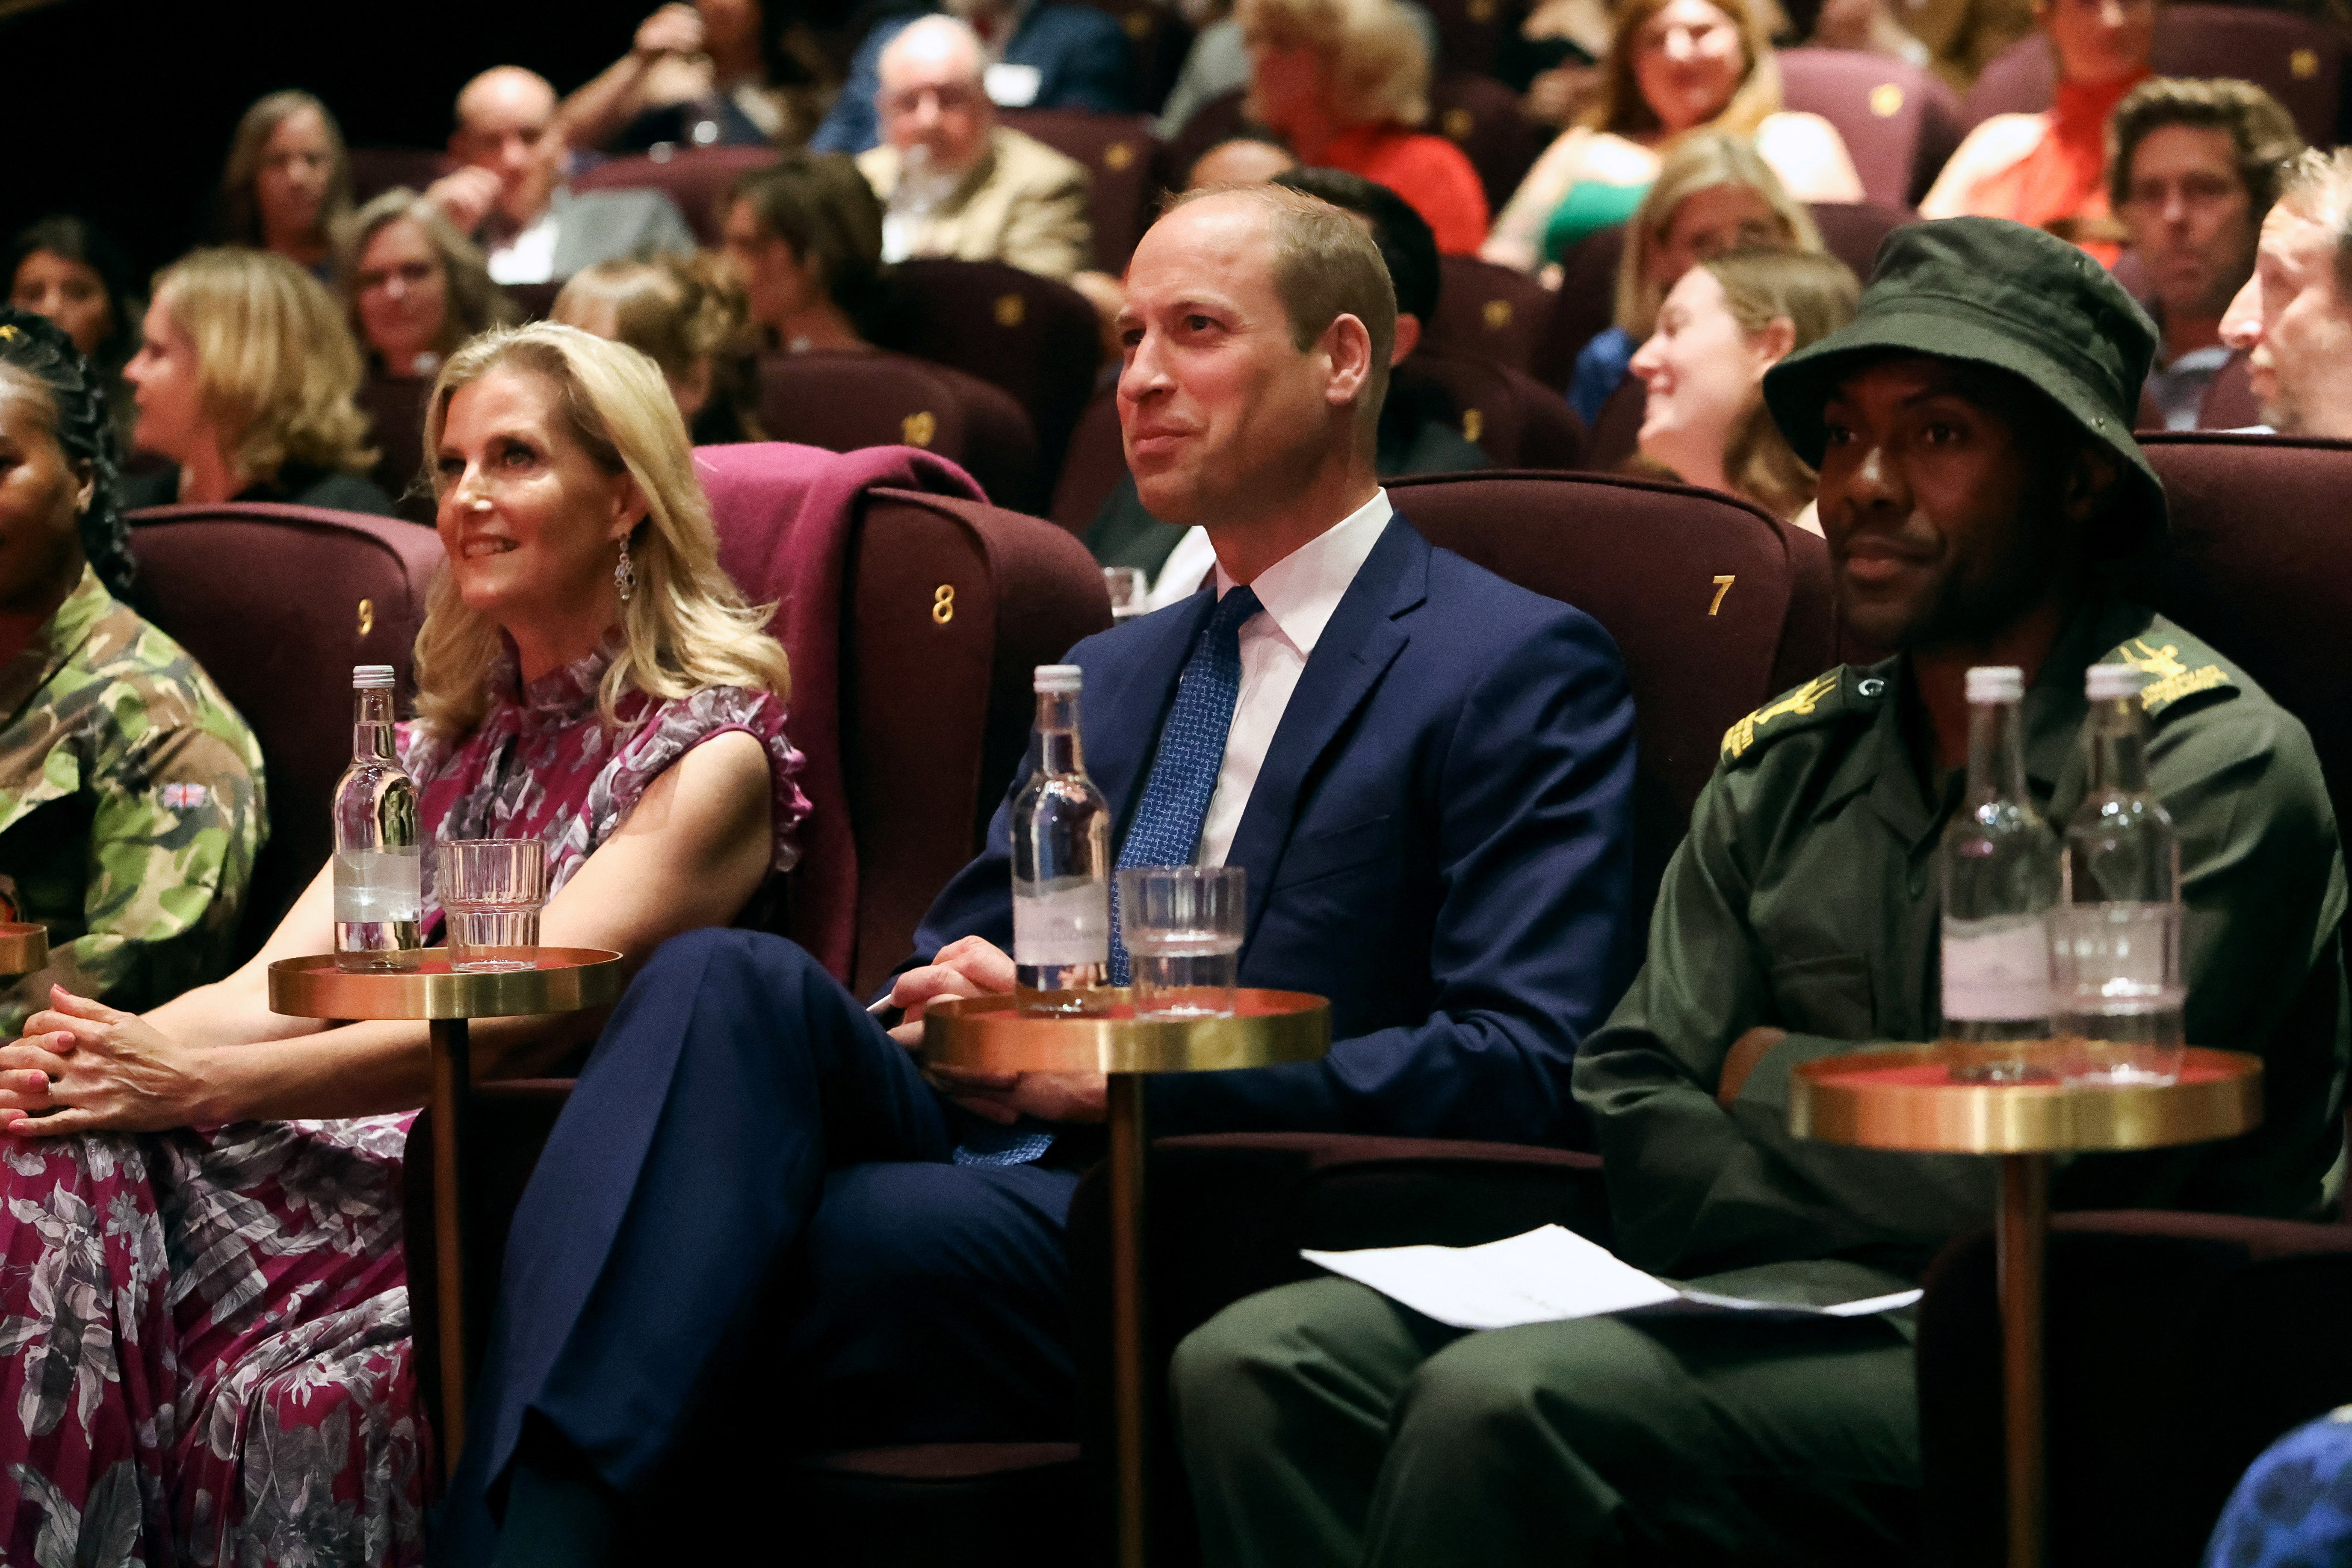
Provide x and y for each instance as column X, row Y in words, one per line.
column 1426, row 774
column 1042, row 55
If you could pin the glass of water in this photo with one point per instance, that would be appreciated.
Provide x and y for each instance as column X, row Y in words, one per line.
column 2117, row 993
column 491, row 891
column 1183, row 926
column 1127, row 587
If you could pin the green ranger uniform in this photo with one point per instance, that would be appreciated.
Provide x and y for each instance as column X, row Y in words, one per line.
column 1324, row 1424
column 131, row 809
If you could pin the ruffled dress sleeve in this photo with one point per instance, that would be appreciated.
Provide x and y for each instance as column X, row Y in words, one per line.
column 676, row 728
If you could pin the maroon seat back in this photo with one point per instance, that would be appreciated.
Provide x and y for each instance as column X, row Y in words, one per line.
column 2296, row 60
column 694, row 179
column 1715, row 605
column 1899, row 122
column 278, row 603
column 1585, row 305
column 1616, row 433
column 1037, row 339
column 375, row 170
column 1093, row 466
column 395, row 406
column 1483, row 311
column 2021, row 79
column 843, row 401
column 2229, row 403
column 1482, row 117
column 1516, row 421
column 1470, row 32
column 533, row 300
column 1119, row 151
column 1853, row 231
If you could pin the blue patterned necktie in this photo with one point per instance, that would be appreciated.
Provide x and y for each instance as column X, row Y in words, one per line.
column 1167, row 825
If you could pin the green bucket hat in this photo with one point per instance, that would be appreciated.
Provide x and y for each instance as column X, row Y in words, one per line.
column 1996, row 293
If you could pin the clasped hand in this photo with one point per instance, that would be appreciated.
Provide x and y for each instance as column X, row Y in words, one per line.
column 83, row 1067
column 971, row 967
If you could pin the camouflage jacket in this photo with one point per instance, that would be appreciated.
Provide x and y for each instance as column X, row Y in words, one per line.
column 131, row 809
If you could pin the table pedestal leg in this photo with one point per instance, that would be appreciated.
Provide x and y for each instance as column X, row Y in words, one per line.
column 2022, row 1241
column 451, row 1068
column 1130, row 1386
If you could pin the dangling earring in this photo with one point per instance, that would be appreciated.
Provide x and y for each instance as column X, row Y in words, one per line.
column 625, row 576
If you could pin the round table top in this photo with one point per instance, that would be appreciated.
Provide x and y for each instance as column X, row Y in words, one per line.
column 23, row 948
column 987, row 1034
column 1907, row 1099
column 560, row 979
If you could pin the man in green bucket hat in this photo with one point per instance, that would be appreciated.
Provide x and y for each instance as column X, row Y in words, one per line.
column 1972, row 430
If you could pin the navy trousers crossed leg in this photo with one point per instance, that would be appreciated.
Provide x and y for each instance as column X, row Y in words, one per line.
column 746, row 1141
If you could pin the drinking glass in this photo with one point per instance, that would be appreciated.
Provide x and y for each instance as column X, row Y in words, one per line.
column 2117, row 993
column 1127, row 587
column 491, row 891
column 1183, row 926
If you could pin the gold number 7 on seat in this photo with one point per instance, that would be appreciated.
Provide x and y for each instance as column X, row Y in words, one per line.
column 1722, row 586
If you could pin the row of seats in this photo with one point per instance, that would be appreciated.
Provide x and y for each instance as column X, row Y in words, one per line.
column 912, row 634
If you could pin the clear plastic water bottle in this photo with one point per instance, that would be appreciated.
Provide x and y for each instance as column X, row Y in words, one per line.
column 2116, row 943
column 2000, row 880
column 378, row 911
column 1061, row 865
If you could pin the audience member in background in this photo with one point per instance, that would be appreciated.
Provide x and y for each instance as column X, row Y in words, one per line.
column 2293, row 320
column 1453, row 754
column 244, row 380
column 2197, row 166
column 2293, row 1509
column 1714, row 193
column 416, row 287
column 65, row 268
column 1731, row 319
column 1552, row 56
column 1418, row 433
column 1345, row 83
column 510, row 197
column 805, row 236
column 644, row 710
column 2049, row 169
column 138, row 863
column 1676, row 66
column 1242, row 161
column 1038, row 54
column 687, row 314
column 287, row 183
column 955, row 183
column 1954, row 38
column 698, row 76
column 1977, row 473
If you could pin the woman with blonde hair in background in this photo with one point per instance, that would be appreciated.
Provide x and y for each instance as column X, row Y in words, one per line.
column 587, row 677
column 1675, row 67
column 287, row 181
column 244, row 379
column 689, row 315
column 1729, row 319
column 414, row 288
column 1714, row 193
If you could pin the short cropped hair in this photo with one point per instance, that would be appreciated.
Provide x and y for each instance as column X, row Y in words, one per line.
column 2318, row 186
column 819, row 203
column 2261, row 132
column 1377, row 61
column 1325, row 267
column 276, row 366
column 1402, row 235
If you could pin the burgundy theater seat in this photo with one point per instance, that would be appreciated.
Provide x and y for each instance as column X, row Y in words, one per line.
column 2230, row 402
column 1483, row 117
column 1853, row 231
column 844, row 401
column 534, row 300
column 216, row 578
column 1584, row 306
column 1899, row 122
column 1093, row 466
column 1470, row 32
column 395, row 406
column 1616, row 433
column 693, row 178
column 1515, row 420
column 1488, row 313
column 375, row 170
column 1119, row 151
column 1037, row 339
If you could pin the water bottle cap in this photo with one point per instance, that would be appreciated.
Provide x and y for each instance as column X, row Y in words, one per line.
column 2107, row 682
column 1059, row 678
column 1996, row 683
column 370, row 675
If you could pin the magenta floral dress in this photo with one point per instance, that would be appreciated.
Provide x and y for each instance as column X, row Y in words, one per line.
column 205, row 1355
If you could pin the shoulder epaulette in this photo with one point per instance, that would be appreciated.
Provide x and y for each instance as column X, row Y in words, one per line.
column 1831, row 695
column 2174, row 676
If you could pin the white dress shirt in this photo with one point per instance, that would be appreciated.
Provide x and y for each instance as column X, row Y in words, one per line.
column 1298, row 596
column 528, row 256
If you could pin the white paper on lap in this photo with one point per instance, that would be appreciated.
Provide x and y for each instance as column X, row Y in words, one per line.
column 1548, row 1276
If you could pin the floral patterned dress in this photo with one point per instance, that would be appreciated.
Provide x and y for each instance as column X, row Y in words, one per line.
column 205, row 1355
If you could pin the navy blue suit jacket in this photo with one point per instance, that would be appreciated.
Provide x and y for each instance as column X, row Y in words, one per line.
column 1440, row 841
column 1080, row 53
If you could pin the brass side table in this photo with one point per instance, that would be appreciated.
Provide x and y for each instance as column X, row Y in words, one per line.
column 987, row 1034
column 561, row 980
column 23, row 948
column 1907, row 1099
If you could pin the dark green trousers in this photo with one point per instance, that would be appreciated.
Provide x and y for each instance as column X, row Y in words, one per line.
column 1323, row 1424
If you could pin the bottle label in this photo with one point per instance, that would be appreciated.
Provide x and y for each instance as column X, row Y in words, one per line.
column 1996, row 969
column 1067, row 921
column 377, row 884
